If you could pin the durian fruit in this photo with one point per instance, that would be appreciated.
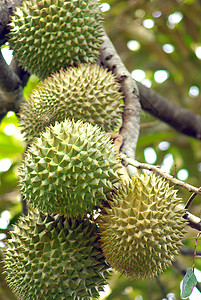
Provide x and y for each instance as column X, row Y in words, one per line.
column 70, row 169
column 51, row 257
column 143, row 230
column 87, row 92
column 49, row 34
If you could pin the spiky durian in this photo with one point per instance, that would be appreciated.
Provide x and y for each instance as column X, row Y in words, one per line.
column 143, row 230
column 51, row 257
column 70, row 169
column 49, row 34
column 87, row 92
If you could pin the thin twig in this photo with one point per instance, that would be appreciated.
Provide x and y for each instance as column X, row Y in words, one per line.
column 193, row 221
column 150, row 289
column 162, row 287
column 185, row 251
column 158, row 170
column 191, row 199
column 175, row 170
column 194, row 255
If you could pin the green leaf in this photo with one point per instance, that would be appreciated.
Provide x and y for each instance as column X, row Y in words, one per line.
column 31, row 84
column 189, row 282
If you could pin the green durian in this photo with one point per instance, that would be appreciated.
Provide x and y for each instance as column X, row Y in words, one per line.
column 51, row 257
column 70, row 169
column 142, row 231
column 48, row 35
column 87, row 93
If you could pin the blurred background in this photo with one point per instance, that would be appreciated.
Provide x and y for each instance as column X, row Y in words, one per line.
column 160, row 44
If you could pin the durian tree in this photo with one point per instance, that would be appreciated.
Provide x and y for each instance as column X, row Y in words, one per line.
column 87, row 211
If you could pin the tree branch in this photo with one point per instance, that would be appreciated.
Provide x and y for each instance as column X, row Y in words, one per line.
column 158, row 170
column 11, row 90
column 6, row 9
column 131, row 114
column 180, row 118
column 193, row 221
column 20, row 72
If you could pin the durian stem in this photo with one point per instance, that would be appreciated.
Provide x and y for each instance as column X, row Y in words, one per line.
column 157, row 169
column 131, row 114
column 117, row 140
column 24, row 206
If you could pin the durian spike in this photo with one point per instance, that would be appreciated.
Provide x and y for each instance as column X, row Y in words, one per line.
column 51, row 257
column 48, row 35
column 71, row 169
column 88, row 93
column 142, row 231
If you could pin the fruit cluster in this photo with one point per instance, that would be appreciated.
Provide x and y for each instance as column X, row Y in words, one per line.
column 83, row 217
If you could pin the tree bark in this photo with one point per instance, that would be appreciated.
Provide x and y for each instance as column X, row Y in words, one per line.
column 131, row 113
column 6, row 8
column 11, row 90
column 179, row 118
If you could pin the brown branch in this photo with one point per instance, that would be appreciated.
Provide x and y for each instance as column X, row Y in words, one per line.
column 6, row 9
column 131, row 114
column 179, row 118
column 11, row 90
column 20, row 72
column 11, row 85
